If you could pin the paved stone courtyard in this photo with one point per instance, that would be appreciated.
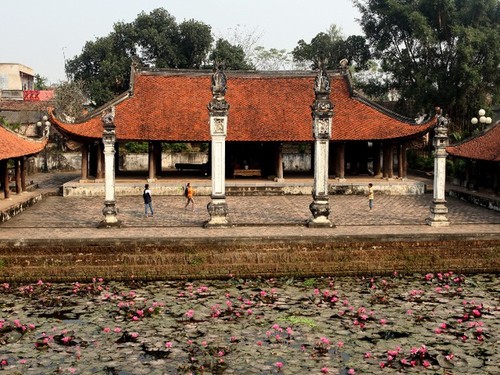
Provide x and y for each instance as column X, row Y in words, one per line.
column 246, row 211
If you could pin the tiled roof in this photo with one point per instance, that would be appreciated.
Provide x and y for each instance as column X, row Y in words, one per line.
column 13, row 145
column 485, row 146
column 172, row 106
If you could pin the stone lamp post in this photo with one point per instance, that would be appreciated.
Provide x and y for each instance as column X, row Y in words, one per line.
column 218, row 109
column 438, row 207
column 108, row 139
column 322, row 113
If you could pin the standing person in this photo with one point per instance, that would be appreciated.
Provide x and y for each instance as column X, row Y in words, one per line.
column 370, row 195
column 147, row 200
column 188, row 193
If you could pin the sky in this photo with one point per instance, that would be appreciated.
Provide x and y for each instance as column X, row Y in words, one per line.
column 42, row 34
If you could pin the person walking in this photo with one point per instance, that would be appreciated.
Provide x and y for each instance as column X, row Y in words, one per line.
column 370, row 196
column 148, row 200
column 188, row 193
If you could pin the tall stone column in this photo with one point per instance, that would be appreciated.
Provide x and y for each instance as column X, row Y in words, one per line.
column 438, row 207
column 108, row 139
column 218, row 109
column 322, row 113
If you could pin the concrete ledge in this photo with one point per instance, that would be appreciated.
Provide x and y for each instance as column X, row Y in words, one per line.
column 471, row 197
column 159, row 187
column 185, row 258
column 17, row 208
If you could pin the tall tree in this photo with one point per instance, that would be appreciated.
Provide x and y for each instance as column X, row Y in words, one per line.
column 439, row 52
column 233, row 57
column 152, row 40
column 330, row 47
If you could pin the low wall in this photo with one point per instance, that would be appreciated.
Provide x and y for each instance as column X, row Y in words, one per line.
column 487, row 202
column 93, row 189
column 72, row 161
column 186, row 258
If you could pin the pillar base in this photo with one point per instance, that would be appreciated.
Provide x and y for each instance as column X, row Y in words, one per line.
column 110, row 221
column 276, row 179
column 439, row 213
column 152, row 179
column 320, row 210
column 219, row 212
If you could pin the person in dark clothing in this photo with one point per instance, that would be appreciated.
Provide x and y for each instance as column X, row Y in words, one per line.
column 147, row 200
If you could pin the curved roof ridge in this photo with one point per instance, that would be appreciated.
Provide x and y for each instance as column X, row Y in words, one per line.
column 24, row 137
column 476, row 136
column 14, row 145
column 94, row 113
column 356, row 95
column 482, row 146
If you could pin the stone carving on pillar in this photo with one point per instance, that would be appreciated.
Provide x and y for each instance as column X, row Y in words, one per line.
column 108, row 139
column 438, row 207
column 322, row 113
column 218, row 109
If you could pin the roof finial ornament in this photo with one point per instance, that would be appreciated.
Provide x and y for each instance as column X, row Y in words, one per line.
column 322, row 82
column 219, row 80
column 108, row 118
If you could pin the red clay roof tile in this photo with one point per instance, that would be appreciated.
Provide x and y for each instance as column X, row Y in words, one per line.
column 13, row 145
column 172, row 106
column 485, row 146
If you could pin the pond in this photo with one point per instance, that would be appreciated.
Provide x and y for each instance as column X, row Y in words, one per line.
column 441, row 323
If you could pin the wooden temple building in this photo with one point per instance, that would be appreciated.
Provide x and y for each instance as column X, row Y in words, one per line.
column 481, row 154
column 14, row 150
column 267, row 110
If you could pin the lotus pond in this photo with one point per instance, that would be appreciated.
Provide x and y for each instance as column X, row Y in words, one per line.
column 442, row 323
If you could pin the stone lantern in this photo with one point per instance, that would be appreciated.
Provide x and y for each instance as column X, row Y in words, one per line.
column 438, row 207
column 322, row 113
column 108, row 139
column 218, row 109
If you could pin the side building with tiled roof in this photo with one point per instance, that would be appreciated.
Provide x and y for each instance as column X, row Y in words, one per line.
column 481, row 154
column 267, row 110
column 14, row 149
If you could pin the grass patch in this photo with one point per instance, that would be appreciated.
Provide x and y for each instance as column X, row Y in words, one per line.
column 310, row 282
column 299, row 320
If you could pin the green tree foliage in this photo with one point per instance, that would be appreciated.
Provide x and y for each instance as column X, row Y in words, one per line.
column 152, row 40
column 233, row 57
column 331, row 47
column 40, row 82
column 439, row 52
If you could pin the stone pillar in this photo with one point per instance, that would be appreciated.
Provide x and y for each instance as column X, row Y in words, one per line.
column 322, row 113
column 218, row 109
column 438, row 207
column 108, row 139
column 85, row 163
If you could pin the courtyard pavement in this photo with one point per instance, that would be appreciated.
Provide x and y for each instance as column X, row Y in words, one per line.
column 57, row 217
